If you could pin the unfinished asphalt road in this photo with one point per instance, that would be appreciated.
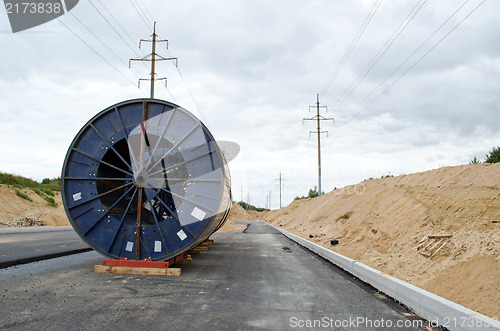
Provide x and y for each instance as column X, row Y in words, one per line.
column 25, row 245
column 257, row 279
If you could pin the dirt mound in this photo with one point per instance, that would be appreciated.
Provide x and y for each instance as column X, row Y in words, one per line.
column 13, row 206
column 254, row 215
column 237, row 214
column 379, row 222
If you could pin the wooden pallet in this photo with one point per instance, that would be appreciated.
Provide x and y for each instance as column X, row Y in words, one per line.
column 148, row 267
column 138, row 270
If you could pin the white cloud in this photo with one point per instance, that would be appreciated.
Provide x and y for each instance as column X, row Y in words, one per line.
column 254, row 68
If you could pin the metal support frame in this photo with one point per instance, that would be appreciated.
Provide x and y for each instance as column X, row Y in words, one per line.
column 146, row 263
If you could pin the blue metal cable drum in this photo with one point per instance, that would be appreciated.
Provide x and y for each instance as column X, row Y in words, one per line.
column 145, row 179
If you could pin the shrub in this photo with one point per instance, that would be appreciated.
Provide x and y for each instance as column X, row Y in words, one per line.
column 23, row 195
column 248, row 206
column 47, row 191
column 494, row 155
column 475, row 160
column 37, row 191
column 50, row 201
column 313, row 193
column 21, row 182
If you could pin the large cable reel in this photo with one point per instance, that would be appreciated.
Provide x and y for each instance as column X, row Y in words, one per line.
column 145, row 179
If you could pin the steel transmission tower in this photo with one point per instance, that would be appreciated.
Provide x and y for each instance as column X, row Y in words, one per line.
column 318, row 118
column 153, row 57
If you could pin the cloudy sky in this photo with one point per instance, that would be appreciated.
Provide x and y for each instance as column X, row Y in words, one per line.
column 412, row 85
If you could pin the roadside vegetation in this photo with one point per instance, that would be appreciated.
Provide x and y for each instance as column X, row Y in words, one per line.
column 313, row 193
column 248, row 206
column 47, row 189
column 23, row 195
column 492, row 157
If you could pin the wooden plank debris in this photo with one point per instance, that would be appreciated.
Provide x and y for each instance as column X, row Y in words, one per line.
column 440, row 235
column 431, row 244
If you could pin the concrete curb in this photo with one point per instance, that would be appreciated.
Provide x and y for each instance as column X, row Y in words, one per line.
column 435, row 309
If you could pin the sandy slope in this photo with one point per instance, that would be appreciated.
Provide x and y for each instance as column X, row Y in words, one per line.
column 237, row 214
column 12, row 207
column 379, row 222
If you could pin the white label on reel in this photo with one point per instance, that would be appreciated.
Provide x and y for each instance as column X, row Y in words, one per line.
column 77, row 196
column 130, row 246
column 157, row 246
column 198, row 213
column 181, row 235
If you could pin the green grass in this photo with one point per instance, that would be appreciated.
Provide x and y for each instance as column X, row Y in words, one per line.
column 37, row 191
column 47, row 186
column 23, row 195
column 47, row 191
column 50, row 201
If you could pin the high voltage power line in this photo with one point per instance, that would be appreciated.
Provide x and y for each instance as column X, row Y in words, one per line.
column 352, row 46
column 146, row 17
column 97, row 38
column 118, row 23
column 112, row 27
column 140, row 15
column 94, row 50
column 415, row 10
column 346, row 56
column 99, row 54
column 413, row 53
column 414, row 63
column 140, row 12
column 380, row 53
column 145, row 11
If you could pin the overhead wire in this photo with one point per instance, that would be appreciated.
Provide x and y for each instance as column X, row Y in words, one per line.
column 346, row 56
column 186, row 85
column 380, row 53
column 142, row 11
column 143, row 19
column 95, row 51
column 112, row 27
column 414, row 64
column 167, row 50
column 352, row 46
column 118, row 23
column 413, row 53
column 144, row 16
column 146, row 10
column 99, row 39
column 95, row 36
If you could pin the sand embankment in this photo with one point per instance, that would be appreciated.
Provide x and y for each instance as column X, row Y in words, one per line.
column 379, row 222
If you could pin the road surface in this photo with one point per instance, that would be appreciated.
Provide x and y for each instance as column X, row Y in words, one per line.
column 24, row 245
column 252, row 280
